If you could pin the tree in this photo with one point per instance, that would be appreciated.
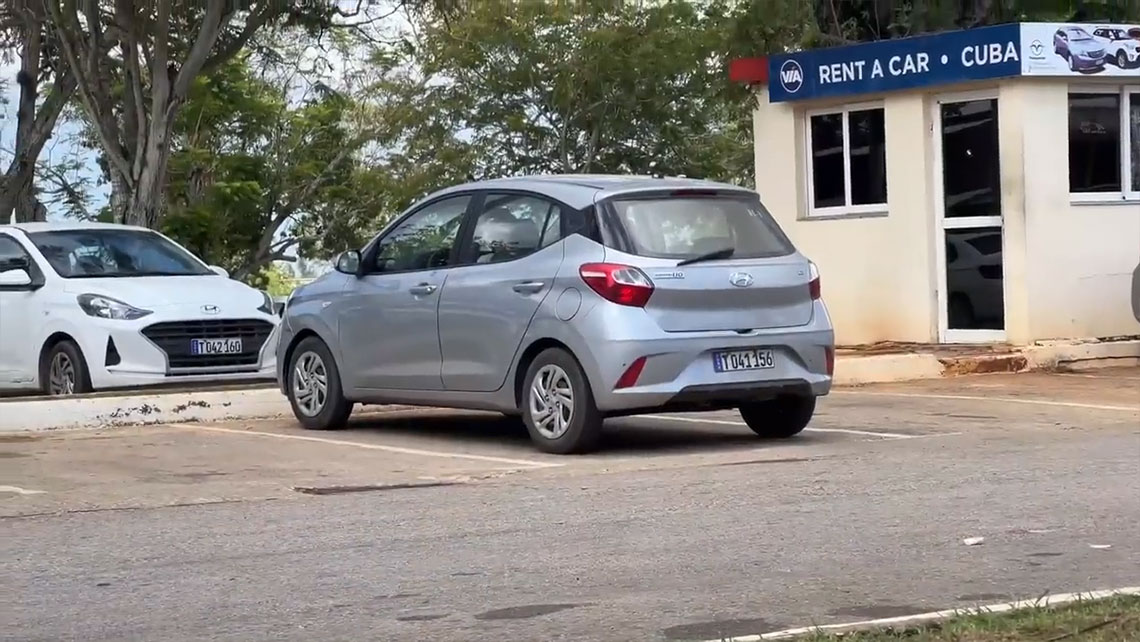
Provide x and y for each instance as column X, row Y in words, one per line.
column 135, row 62
column 254, row 174
column 592, row 86
column 46, row 86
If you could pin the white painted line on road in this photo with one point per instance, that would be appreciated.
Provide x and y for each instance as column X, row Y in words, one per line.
column 724, row 422
column 1048, row 600
column 21, row 491
column 1030, row 402
column 392, row 449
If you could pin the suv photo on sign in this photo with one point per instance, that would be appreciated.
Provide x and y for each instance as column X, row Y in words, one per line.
column 1062, row 49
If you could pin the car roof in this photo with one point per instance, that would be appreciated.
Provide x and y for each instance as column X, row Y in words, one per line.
column 582, row 190
column 67, row 226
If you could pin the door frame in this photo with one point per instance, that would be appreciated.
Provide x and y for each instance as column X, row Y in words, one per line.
column 942, row 224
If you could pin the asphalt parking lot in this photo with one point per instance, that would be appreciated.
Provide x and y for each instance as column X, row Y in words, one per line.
column 447, row 525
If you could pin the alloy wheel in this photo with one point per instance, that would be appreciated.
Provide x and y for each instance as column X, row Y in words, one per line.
column 310, row 384
column 61, row 375
column 551, row 401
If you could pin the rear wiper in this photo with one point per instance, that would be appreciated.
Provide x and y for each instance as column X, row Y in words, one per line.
column 723, row 253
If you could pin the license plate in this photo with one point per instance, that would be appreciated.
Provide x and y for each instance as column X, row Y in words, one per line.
column 734, row 360
column 215, row 346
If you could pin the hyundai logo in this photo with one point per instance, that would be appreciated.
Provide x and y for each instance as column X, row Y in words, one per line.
column 791, row 76
column 210, row 309
column 740, row 279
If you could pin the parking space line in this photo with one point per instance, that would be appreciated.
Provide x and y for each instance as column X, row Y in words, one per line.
column 21, row 491
column 845, row 431
column 392, row 449
column 1029, row 402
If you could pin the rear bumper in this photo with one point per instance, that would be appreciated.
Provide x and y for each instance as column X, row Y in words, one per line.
column 724, row 396
column 679, row 372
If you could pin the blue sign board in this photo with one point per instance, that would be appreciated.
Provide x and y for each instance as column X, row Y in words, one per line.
column 905, row 63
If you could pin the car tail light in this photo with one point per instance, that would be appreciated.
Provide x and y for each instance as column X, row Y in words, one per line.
column 621, row 284
column 829, row 360
column 629, row 378
column 813, row 285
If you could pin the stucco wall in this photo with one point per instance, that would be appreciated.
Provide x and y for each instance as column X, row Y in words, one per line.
column 1080, row 258
column 1067, row 267
column 877, row 271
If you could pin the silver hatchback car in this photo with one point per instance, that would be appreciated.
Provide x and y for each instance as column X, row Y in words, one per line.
column 566, row 300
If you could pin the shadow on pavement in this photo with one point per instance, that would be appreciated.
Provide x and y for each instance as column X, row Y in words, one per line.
column 625, row 435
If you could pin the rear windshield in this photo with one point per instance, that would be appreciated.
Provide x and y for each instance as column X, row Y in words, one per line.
column 690, row 226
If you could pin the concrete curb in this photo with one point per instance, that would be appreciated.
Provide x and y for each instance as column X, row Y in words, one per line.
column 101, row 411
column 104, row 410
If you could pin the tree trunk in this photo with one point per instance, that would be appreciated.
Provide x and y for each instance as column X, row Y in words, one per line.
column 33, row 127
column 148, row 203
column 120, row 197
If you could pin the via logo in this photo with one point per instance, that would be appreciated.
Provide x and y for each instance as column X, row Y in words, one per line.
column 791, row 76
column 740, row 279
column 1036, row 48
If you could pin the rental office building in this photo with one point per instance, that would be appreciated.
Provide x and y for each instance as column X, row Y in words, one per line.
column 966, row 187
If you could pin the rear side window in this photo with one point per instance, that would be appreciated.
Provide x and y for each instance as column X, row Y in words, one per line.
column 682, row 227
column 514, row 225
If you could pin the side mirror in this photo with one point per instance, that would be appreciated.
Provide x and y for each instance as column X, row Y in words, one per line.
column 348, row 262
column 15, row 278
column 220, row 271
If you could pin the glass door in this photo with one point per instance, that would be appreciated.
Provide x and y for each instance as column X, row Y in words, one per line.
column 971, row 293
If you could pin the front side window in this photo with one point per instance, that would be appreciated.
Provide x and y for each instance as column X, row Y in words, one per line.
column 424, row 240
column 511, row 226
column 688, row 227
column 848, row 161
column 114, row 253
column 1104, row 144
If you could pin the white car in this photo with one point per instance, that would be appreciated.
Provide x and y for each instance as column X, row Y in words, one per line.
column 90, row 306
column 1120, row 48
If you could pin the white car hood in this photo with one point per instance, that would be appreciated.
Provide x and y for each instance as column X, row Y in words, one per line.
column 152, row 292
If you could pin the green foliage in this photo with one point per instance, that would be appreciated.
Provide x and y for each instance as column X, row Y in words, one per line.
column 579, row 87
column 252, row 172
column 277, row 281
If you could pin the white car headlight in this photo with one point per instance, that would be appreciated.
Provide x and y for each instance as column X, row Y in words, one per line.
column 104, row 307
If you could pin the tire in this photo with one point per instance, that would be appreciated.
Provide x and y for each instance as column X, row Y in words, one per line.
column 63, row 371
column 310, row 359
column 580, row 430
column 778, row 418
column 1121, row 60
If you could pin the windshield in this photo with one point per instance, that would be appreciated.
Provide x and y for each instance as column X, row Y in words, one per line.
column 1079, row 35
column 688, row 227
column 104, row 253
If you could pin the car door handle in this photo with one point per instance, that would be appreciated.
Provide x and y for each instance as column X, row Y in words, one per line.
column 422, row 289
column 528, row 287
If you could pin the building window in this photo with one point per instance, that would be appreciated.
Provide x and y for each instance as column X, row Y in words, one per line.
column 847, row 168
column 1104, row 144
